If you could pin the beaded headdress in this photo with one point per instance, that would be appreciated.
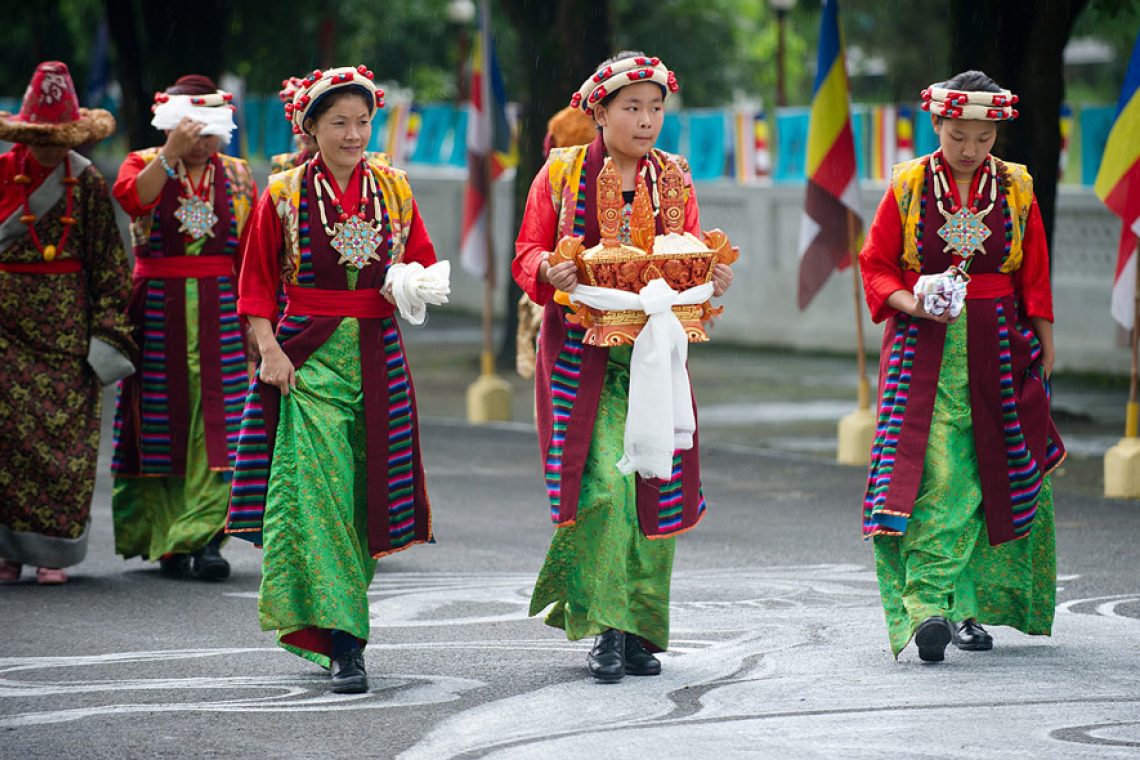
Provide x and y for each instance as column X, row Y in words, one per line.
column 289, row 88
column 214, row 109
column 320, row 83
column 613, row 76
column 962, row 104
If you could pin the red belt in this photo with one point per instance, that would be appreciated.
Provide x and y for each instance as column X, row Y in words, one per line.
column 183, row 267
column 314, row 302
column 59, row 266
column 984, row 285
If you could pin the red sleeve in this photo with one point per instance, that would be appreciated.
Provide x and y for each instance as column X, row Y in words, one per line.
column 260, row 277
column 693, row 213
column 879, row 259
column 1031, row 281
column 536, row 238
column 419, row 247
column 126, row 187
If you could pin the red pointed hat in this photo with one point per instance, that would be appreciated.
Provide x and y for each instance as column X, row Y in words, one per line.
column 50, row 114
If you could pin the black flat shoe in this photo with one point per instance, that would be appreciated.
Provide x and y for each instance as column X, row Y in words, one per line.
column 348, row 676
column 638, row 660
column 932, row 636
column 174, row 565
column 208, row 564
column 607, row 658
column 971, row 637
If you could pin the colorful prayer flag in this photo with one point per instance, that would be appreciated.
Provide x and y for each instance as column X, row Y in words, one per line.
column 1118, row 185
column 831, row 224
column 488, row 139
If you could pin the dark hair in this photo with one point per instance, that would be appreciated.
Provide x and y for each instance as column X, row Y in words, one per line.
column 326, row 100
column 972, row 80
column 192, row 84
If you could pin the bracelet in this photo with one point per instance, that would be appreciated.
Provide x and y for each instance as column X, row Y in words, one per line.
column 166, row 166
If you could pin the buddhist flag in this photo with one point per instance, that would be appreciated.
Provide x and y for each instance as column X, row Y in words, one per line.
column 831, row 224
column 1118, row 185
column 488, row 140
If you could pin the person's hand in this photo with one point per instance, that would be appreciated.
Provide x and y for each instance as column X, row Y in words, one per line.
column 721, row 279
column 180, row 140
column 1047, row 360
column 563, row 276
column 920, row 311
column 277, row 370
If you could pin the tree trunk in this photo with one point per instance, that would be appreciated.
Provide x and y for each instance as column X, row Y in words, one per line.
column 1020, row 45
column 561, row 41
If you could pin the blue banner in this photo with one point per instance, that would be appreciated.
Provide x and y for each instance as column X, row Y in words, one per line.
column 791, row 144
column 707, row 150
column 1096, row 123
column 670, row 138
column 436, row 125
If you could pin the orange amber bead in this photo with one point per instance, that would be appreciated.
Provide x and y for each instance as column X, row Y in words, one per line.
column 67, row 220
column 22, row 179
column 49, row 253
column 28, row 218
column 71, row 180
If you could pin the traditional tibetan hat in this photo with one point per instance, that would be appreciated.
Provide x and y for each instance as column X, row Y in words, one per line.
column 962, row 104
column 321, row 83
column 214, row 109
column 613, row 76
column 50, row 114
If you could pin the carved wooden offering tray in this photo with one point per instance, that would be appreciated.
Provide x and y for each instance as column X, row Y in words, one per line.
column 680, row 258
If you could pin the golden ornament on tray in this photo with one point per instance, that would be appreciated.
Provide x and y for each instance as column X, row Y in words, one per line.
column 680, row 258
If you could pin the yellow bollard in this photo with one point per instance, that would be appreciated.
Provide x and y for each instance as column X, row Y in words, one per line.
column 1122, row 461
column 489, row 397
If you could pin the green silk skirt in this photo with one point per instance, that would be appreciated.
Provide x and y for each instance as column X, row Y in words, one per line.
column 316, row 567
column 944, row 564
column 602, row 572
column 162, row 515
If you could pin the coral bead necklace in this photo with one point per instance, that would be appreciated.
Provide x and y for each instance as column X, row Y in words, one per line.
column 354, row 236
column 195, row 210
column 49, row 252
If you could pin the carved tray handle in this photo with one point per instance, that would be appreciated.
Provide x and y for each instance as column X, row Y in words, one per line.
column 569, row 248
column 717, row 241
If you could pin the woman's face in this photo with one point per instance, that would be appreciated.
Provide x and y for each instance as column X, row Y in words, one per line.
column 48, row 156
column 632, row 120
column 965, row 143
column 342, row 132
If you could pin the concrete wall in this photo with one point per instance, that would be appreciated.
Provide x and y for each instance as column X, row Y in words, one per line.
column 761, row 307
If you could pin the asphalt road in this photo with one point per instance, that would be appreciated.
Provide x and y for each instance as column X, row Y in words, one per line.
column 779, row 648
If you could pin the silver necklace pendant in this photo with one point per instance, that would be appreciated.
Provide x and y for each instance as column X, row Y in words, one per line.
column 197, row 217
column 356, row 241
column 964, row 232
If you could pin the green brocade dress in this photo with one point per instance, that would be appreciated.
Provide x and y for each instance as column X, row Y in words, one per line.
column 154, row 516
column 316, row 567
column 602, row 572
column 944, row 564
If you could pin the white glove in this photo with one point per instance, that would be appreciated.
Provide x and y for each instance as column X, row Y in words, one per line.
column 414, row 287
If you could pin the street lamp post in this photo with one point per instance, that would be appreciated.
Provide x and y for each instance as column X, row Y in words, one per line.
column 781, row 7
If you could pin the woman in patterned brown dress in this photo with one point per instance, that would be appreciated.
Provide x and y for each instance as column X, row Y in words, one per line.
column 63, row 332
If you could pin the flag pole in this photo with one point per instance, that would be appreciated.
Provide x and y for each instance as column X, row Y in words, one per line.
column 489, row 397
column 1122, row 461
column 857, row 429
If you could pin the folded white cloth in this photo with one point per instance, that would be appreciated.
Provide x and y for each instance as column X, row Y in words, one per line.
column 108, row 363
column 942, row 293
column 660, row 416
column 414, row 287
column 219, row 120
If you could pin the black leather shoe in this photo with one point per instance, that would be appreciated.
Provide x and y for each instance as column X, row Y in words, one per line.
column 971, row 637
column 607, row 658
column 208, row 564
column 174, row 565
column 348, row 676
column 638, row 661
column 932, row 636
